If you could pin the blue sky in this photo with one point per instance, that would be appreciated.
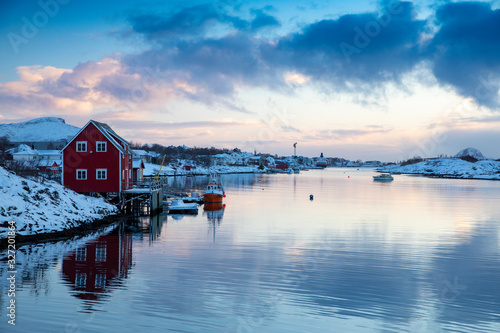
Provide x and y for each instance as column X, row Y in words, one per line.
column 360, row 79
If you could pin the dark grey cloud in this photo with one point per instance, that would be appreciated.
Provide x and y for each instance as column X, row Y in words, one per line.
column 465, row 52
column 371, row 47
column 194, row 22
column 366, row 48
column 263, row 20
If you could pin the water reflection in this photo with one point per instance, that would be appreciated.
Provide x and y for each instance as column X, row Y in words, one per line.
column 93, row 270
column 214, row 212
column 420, row 255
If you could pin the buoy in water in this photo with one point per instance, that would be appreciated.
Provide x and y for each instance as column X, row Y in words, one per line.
column 311, row 197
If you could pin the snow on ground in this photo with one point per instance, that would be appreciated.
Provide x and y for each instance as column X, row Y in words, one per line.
column 39, row 208
column 152, row 170
column 450, row 167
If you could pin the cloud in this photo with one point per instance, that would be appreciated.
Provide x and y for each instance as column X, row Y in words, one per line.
column 207, row 55
column 263, row 20
column 369, row 48
column 349, row 134
column 195, row 22
column 188, row 22
column 465, row 52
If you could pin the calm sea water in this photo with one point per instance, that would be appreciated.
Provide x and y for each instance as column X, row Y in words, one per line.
column 414, row 255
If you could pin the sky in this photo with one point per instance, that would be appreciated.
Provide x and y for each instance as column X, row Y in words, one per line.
column 371, row 80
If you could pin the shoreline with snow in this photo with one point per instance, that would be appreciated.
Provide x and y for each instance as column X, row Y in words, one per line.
column 153, row 169
column 36, row 209
column 453, row 168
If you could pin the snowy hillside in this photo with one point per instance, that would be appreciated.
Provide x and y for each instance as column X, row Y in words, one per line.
column 470, row 152
column 38, row 130
column 450, row 167
column 39, row 208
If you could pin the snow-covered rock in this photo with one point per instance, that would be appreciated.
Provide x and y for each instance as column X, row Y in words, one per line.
column 39, row 208
column 38, row 130
column 470, row 152
column 450, row 167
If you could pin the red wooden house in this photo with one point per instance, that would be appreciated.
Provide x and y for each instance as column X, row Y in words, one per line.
column 97, row 160
column 92, row 270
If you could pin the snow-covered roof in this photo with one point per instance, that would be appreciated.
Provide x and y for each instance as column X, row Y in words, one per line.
column 136, row 163
column 23, row 149
column 49, row 163
column 49, row 152
column 140, row 152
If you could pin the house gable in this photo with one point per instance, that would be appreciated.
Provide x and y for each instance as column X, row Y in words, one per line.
column 111, row 162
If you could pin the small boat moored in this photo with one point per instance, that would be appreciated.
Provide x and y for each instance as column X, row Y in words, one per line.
column 384, row 177
column 180, row 207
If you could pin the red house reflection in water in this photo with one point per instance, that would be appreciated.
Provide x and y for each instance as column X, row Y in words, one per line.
column 90, row 270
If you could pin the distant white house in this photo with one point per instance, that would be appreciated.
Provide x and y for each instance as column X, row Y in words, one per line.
column 154, row 155
column 24, row 153
column 142, row 154
column 372, row 164
column 222, row 159
column 49, row 155
column 254, row 160
column 45, row 161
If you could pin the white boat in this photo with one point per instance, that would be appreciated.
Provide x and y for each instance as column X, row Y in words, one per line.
column 384, row 177
column 180, row 207
column 195, row 197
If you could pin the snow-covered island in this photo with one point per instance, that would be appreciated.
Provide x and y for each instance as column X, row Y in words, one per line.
column 469, row 163
column 45, row 208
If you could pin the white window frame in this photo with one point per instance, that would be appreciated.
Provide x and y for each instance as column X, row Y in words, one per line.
column 77, row 170
column 100, row 253
column 101, row 143
column 100, row 281
column 81, row 254
column 81, row 143
column 80, row 280
column 105, row 174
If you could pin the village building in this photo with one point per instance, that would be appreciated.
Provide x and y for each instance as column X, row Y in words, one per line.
column 138, row 170
column 97, row 159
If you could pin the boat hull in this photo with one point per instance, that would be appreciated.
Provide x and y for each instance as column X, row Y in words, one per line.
column 212, row 198
column 383, row 179
column 212, row 206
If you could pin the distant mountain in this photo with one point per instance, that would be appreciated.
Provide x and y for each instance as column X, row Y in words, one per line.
column 38, row 130
column 471, row 153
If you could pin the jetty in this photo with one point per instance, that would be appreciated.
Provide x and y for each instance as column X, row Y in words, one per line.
column 144, row 197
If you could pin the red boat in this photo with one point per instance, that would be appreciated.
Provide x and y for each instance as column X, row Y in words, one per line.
column 214, row 193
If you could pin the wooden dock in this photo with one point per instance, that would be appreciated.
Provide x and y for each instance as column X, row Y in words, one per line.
column 145, row 198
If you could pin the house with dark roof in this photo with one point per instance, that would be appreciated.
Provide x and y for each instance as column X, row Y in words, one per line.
column 97, row 160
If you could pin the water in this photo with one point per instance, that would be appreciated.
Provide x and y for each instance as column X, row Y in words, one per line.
column 413, row 255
